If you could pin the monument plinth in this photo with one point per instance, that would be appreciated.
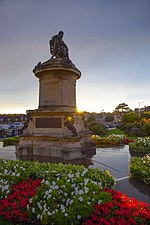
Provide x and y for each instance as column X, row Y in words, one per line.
column 57, row 84
column 56, row 129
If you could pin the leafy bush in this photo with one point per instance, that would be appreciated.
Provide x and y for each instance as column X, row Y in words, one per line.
column 97, row 128
column 140, row 168
column 42, row 193
column 146, row 129
column 111, row 140
column 140, row 147
column 11, row 141
column 66, row 194
column 122, row 210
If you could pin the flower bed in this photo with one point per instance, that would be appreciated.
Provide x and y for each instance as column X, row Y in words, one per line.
column 50, row 193
column 111, row 140
column 42, row 193
column 140, row 147
column 140, row 168
column 121, row 210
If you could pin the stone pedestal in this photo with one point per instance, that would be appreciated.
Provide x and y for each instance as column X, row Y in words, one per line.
column 55, row 129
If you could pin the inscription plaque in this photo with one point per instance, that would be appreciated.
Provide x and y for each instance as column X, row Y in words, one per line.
column 48, row 123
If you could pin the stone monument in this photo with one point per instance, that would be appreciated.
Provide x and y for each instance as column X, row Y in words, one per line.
column 56, row 129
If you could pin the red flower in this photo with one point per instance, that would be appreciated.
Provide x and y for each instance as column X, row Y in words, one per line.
column 122, row 210
column 14, row 207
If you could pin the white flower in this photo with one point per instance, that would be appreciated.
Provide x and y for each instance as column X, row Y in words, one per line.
column 80, row 199
column 46, row 192
column 53, row 212
column 38, row 216
column 78, row 217
column 5, row 171
column 86, row 190
column 71, row 202
column 80, row 192
column 53, row 183
column 8, row 191
column 66, row 214
column 86, row 181
column 62, row 207
column 70, row 175
column 33, row 210
column 68, row 200
column 99, row 202
column 49, row 213
column 30, row 200
column 72, row 193
column 46, row 182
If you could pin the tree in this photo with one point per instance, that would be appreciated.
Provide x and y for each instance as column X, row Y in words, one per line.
column 122, row 107
column 97, row 128
column 109, row 117
column 130, row 117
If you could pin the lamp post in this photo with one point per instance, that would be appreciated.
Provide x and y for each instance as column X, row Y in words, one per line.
column 140, row 108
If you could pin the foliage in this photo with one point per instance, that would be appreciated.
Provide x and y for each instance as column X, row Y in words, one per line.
column 15, row 171
column 140, row 168
column 122, row 107
column 66, row 194
column 67, row 200
column 111, row 140
column 122, row 210
column 130, row 117
column 97, row 128
column 132, row 129
column 145, row 115
column 42, row 193
column 11, row 141
column 145, row 129
column 145, row 120
column 91, row 118
column 141, row 145
column 109, row 117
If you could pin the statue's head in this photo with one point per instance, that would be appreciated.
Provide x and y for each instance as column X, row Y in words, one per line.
column 61, row 33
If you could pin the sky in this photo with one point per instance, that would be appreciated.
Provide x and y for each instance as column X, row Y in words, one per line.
column 108, row 41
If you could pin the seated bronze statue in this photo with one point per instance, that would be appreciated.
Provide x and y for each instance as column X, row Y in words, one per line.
column 58, row 48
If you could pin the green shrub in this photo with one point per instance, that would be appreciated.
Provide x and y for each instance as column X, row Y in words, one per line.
column 140, row 146
column 97, row 128
column 11, row 141
column 111, row 140
column 15, row 171
column 140, row 168
column 67, row 194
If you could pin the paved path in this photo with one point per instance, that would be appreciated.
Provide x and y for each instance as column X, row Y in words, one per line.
column 116, row 160
column 7, row 152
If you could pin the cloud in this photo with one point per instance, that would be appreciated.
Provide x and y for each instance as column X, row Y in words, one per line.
column 108, row 41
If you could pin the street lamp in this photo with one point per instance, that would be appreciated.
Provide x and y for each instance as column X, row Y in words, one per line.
column 140, row 108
